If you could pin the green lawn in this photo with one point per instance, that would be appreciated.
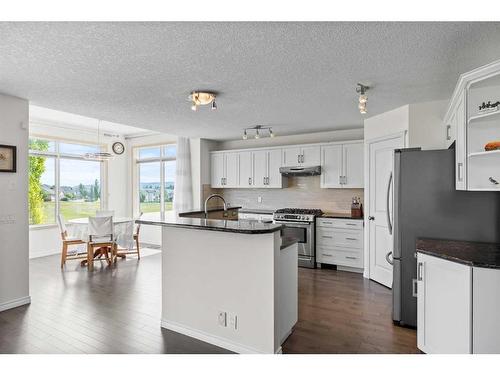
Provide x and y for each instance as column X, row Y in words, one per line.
column 74, row 210
column 154, row 207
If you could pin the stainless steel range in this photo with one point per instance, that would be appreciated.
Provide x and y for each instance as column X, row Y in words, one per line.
column 300, row 223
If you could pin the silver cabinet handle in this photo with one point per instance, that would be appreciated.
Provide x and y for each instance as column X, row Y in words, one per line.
column 493, row 181
column 419, row 271
column 414, row 290
column 267, row 180
column 448, row 136
column 350, row 224
column 326, row 255
column 351, row 239
column 388, row 259
column 249, row 180
column 389, row 224
column 298, row 159
column 302, row 158
column 222, row 181
column 459, row 171
column 327, row 236
column 350, row 257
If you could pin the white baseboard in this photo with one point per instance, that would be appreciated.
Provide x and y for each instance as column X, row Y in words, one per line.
column 350, row 269
column 211, row 339
column 15, row 303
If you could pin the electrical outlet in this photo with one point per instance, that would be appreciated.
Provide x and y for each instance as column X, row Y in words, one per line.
column 233, row 321
column 259, row 199
column 222, row 317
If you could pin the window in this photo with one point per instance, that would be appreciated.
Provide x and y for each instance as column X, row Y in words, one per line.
column 156, row 178
column 61, row 181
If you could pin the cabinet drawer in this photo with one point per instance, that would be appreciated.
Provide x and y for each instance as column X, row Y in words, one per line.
column 340, row 223
column 337, row 237
column 340, row 256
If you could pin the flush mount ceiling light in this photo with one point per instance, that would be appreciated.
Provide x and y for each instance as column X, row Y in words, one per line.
column 198, row 98
column 363, row 98
column 258, row 131
column 99, row 156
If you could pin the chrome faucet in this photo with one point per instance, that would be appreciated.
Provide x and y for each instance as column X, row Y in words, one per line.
column 214, row 196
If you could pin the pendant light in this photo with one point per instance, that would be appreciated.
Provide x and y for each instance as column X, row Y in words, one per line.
column 100, row 155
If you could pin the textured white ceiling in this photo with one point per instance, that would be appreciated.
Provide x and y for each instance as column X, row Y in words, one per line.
column 297, row 77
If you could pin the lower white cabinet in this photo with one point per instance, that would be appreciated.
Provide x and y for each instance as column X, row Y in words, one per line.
column 444, row 310
column 457, row 307
column 339, row 242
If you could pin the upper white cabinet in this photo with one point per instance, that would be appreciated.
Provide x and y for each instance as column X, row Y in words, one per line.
column 472, row 128
column 342, row 165
column 301, row 155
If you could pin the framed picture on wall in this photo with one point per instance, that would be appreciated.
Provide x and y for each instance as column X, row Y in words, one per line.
column 7, row 158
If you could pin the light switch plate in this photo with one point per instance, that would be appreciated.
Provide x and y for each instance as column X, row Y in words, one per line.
column 259, row 199
column 222, row 317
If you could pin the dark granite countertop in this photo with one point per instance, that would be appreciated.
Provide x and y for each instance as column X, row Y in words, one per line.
column 212, row 209
column 256, row 211
column 339, row 215
column 235, row 226
column 476, row 254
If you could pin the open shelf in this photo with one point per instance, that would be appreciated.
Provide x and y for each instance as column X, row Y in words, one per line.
column 483, row 116
column 484, row 153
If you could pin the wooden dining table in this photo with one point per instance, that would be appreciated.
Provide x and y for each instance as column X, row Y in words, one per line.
column 80, row 230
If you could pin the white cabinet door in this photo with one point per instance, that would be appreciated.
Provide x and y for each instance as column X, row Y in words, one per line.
column 353, row 170
column 260, row 168
column 292, row 156
column 232, row 172
column 311, row 156
column 331, row 166
column 450, row 130
column 217, row 170
column 246, row 169
column 444, row 306
column 274, row 178
column 486, row 304
column 460, row 146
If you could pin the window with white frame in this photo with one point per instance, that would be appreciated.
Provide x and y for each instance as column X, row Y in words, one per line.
column 156, row 177
column 61, row 181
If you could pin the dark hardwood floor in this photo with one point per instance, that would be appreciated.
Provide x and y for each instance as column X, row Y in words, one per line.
column 118, row 311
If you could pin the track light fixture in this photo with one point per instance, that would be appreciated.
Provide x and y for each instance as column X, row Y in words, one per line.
column 363, row 98
column 198, row 98
column 258, row 131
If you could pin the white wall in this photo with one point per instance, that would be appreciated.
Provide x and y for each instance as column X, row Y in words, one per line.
column 14, row 242
column 329, row 136
column 387, row 123
column 46, row 240
column 426, row 129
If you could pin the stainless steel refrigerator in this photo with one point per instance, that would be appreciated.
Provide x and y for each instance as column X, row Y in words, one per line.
column 426, row 204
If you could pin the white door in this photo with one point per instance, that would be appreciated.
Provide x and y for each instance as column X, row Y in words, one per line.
column 353, row 161
column 273, row 173
column 232, row 170
column 311, row 156
column 217, row 170
column 260, row 168
column 444, row 306
column 381, row 164
column 292, row 156
column 246, row 169
column 331, row 166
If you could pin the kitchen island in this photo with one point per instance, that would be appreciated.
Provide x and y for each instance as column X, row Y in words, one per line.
column 231, row 283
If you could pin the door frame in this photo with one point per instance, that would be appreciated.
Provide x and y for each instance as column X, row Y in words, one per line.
column 368, row 142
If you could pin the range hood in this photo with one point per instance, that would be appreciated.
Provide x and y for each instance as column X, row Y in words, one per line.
column 300, row 171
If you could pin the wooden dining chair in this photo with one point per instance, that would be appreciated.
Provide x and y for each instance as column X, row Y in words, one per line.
column 125, row 242
column 67, row 242
column 101, row 236
column 136, row 237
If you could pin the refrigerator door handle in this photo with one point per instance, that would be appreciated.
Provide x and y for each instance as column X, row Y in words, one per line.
column 414, row 283
column 389, row 224
column 388, row 259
